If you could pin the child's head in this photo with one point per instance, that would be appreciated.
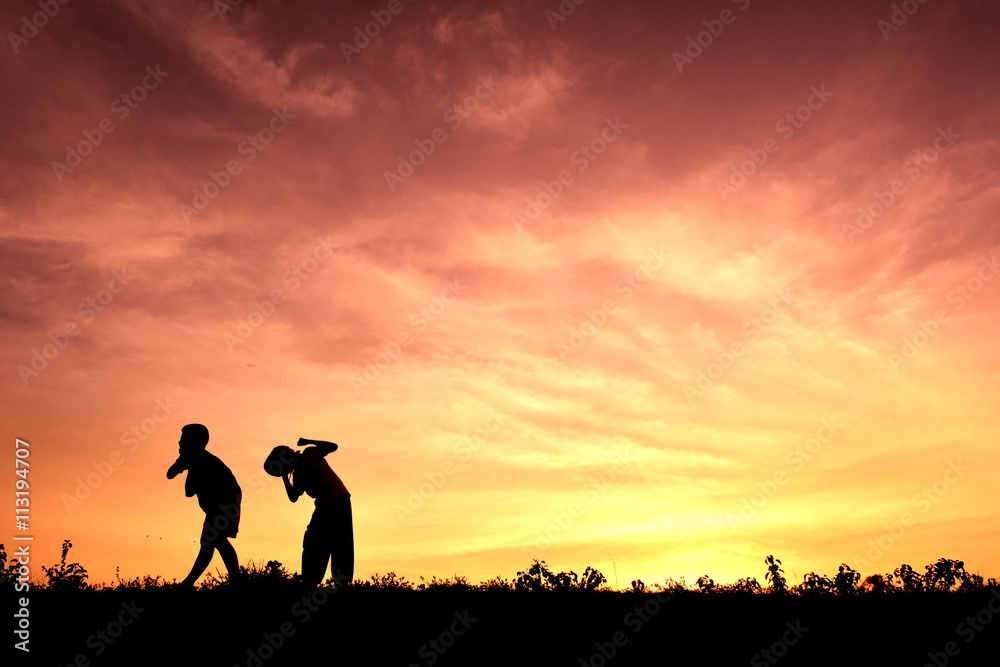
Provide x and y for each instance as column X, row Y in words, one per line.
column 280, row 461
column 194, row 437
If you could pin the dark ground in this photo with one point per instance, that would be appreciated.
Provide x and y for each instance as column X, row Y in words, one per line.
column 225, row 627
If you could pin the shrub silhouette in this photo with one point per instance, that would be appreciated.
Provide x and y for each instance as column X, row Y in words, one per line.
column 776, row 576
column 814, row 584
column 67, row 576
column 846, row 580
column 9, row 572
column 879, row 584
column 539, row 577
column 748, row 585
column 910, row 580
column 135, row 583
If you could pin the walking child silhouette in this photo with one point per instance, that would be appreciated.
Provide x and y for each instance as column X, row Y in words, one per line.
column 219, row 495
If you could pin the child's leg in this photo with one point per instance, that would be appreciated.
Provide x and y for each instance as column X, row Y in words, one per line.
column 342, row 533
column 228, row 553
column 315, row 551
column 201, row 562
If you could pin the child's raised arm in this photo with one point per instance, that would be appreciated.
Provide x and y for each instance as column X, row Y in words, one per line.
column 322, row 445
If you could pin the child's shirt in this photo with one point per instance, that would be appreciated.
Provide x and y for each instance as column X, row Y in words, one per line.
column 314, row 475
column 211, row 480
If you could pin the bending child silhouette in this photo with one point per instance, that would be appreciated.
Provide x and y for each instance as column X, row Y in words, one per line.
column 219, row 496
column 329, row 537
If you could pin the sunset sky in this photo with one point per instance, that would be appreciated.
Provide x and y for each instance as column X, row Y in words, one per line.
column 655, row 287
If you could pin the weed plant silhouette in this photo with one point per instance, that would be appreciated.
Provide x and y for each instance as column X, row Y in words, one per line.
column 66, row 576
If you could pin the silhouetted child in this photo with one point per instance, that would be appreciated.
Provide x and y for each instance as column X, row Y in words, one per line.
column 329, row 537
column 219, row 496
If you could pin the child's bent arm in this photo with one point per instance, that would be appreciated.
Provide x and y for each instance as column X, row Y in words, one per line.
column 177, row 468
column 293, row 493
column 322, row 445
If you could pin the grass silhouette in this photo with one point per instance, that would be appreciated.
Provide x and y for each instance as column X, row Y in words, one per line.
column 268, row 618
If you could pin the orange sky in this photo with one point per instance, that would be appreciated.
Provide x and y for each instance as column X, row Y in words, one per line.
column 585, row 290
